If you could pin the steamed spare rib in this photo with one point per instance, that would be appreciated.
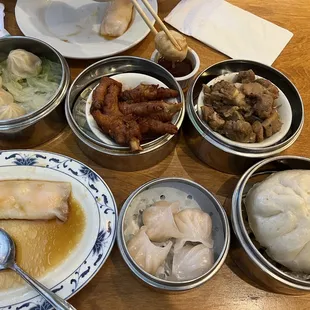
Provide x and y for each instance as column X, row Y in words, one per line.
column 129, row 122
column 243, row 112
column 245, row 77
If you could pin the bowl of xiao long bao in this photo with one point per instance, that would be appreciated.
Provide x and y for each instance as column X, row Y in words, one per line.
column 126, row 112
column 173, row 234
column 270, row 218
column 34, row 79
column 62, row 217
column 239, row 112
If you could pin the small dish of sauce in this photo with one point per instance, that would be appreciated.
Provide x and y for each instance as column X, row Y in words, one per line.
column 177, row 69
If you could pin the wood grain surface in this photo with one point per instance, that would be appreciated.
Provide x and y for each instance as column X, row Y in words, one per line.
column 114, row 287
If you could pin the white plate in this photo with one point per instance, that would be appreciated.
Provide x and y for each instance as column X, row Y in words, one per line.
column 129, row 81
column 98, row 238
column 284, row 110
column 72, row 27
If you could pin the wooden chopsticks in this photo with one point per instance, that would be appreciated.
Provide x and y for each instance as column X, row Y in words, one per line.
column 160, row 22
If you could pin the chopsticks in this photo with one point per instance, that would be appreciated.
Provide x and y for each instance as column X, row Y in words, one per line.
column 143, row 15
column 160, row 22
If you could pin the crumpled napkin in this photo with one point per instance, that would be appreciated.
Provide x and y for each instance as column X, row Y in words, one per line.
column 230, row 30
column 3, row 32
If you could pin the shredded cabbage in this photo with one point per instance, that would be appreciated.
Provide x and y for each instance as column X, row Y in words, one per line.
column 34, row 92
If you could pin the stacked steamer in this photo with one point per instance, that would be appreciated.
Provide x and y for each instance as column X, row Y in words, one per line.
column 241, row 111
column 34, row 79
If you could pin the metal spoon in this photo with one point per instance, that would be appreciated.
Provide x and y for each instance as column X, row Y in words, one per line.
column 7, row 261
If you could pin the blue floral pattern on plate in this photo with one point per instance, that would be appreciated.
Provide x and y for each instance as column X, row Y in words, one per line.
column 106, row 206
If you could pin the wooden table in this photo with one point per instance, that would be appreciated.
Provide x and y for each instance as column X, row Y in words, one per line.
column 114, row 287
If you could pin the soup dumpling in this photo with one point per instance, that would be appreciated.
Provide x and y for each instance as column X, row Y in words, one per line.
column 11, row 111
column 24, row 64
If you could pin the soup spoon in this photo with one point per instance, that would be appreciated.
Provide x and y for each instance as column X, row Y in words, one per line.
column 7, row 261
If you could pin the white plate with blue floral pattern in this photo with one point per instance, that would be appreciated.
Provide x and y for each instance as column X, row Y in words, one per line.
column 98, row 238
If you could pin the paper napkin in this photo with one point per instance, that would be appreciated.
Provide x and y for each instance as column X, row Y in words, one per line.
column 229, row 29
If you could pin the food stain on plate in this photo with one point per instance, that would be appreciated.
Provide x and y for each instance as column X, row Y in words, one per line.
column 42, row 245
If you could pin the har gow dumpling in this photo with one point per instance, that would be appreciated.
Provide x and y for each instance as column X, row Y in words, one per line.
column 10, row 111
column 147, row 255
column 195, row 225
column 159, row 221
column 24, row 64
column 191, row 262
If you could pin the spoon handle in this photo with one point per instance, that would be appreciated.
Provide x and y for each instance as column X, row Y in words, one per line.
column 52, row 298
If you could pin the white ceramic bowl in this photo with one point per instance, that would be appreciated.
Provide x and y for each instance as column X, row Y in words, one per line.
column 284, row 109
column 184, row 81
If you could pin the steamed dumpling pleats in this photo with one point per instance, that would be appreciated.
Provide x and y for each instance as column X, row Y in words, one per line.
column 195, row 225
column 11, row 111
column 24, row 64
column 159, row 221
column 147, row 255
column 5, row 98
column 191, row 262
column 34, row 200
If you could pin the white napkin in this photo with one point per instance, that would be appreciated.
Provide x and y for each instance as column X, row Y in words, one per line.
column 229, row 29
column 3, row 32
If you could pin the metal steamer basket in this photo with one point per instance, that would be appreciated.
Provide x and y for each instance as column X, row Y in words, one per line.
column 117, row 157
column 247, row 254
column 45, row 123
column 220, row 232
column 215, row 152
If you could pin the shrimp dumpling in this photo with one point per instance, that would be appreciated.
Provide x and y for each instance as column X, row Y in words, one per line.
column 24, row 64
column 195, row 225
column 147, row 255
column 191, row 262
column 159, row 221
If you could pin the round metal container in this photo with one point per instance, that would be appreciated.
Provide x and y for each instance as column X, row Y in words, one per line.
column 264, row 272
column 220, row 232
column 217, row 153
column 45, row 123
column 118, row 158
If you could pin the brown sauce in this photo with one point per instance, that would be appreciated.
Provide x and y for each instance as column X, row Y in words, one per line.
column 42, row 245
column 177, row 69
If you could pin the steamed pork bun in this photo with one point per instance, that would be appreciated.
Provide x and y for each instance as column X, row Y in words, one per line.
column 24, row 64
column 167, row 49
column 279, row 216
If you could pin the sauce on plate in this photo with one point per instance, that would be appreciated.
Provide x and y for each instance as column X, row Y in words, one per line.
column 42, row 245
